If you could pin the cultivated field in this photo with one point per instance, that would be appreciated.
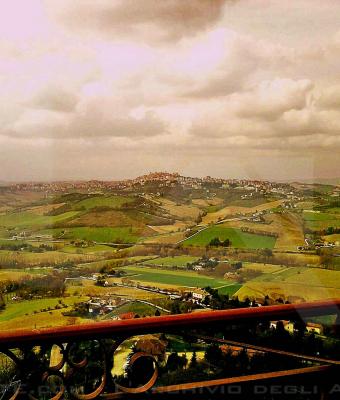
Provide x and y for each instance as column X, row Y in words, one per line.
column 97, row 234
column 180, row 211
column 265, row 268
column 169, row 238
column 138, row 308
column 103, row 201
column 88, row 288
column 176, row 278
column 321, row 220
column 30, row 220
column 21, row 258
column 161, row 229
column 177, row 261
column 44, row 209
column 234, row 210
column 332, row 238
column 294, row 283
column 204, row 203
column 288, row 227
column 12, row 275
column 28, row 315
column 14, row 199
column 286, row 291
column 238, row 238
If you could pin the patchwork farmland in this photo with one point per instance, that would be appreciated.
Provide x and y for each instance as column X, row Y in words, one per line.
column 153, row 239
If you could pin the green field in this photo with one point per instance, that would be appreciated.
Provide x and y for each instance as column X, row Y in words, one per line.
column 178, row 278
column 261, row 267
column 97, row 234
column 98, row 248
column 135, row 307
column 332, row 238
column 22, row 258
column 238, row 238
column 303, row 275
column 21, row 308
column 31, row 220
column 320, row 220
column 249, row 202
column 102, row 201
column 177, row 261
column 212, row 209
column 318, row 216
column 306, row 283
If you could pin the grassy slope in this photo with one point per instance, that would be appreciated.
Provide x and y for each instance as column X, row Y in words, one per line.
column 29, row 220
column 308, row 283
column 47, row 257
column 238, row 238
column 180, row 261
column 103, row 201
column 98, row 234
column 174, row 278
column 321, row 220
column 288, row 227
column 19, row 309
column 136, row 307
column 233, row 210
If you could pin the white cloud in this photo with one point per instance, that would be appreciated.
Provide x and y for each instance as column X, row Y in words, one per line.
column 167, row 81
column 270, row 99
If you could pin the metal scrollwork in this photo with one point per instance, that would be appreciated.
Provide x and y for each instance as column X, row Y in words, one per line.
column 148, row 385
column 82, row 370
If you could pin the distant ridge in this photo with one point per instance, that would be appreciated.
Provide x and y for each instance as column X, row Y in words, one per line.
column 321, row 181
column 173, row 176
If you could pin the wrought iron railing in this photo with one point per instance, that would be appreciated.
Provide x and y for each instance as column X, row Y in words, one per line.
column 78, row 361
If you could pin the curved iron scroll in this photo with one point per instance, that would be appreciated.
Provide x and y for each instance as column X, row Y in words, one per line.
column 44, row 370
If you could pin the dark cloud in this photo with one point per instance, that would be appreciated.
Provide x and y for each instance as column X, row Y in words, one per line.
column 54, row 99
column 96, row 124
column 270, row 99
column 84, row 125
column 330, row 98
column 223, row 84
column 165, row 20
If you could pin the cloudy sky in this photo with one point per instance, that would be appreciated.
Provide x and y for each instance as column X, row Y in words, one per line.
column 111, row 89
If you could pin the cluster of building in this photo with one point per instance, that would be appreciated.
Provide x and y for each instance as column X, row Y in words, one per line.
column 162, row 179
column 290, row 327
column 104, row 305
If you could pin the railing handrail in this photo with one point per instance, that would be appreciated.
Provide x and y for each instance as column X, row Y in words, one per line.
column 157, row 324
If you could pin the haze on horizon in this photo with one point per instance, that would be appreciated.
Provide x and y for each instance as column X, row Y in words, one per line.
column 112, row 89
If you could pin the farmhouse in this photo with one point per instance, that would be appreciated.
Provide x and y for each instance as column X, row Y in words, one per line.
column 199, row 294
column 289, row 326
column 103, row 306
column 314, row 328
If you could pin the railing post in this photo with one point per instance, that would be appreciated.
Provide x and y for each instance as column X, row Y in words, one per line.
column 336, row 326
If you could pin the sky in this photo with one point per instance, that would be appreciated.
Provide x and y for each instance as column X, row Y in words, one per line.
column 112, row 89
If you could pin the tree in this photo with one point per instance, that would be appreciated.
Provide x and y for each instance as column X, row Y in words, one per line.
column 300, row 328
column 175, row 307
column 213, row 354
column 175, row 362
column 267, row 253
column 226, row 243
column 216, row 242
column 2, row 302
column 242, row 359
column 193, row 360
